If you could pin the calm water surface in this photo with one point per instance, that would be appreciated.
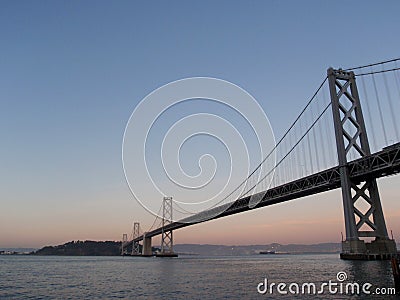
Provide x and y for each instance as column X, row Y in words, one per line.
column 194, row 277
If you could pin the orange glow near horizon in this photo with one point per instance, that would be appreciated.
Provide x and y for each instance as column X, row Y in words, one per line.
column 310, row 220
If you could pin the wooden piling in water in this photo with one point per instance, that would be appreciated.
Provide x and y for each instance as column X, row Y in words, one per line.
column 396, row 273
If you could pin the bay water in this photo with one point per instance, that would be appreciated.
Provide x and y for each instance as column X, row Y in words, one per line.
column 193, row 277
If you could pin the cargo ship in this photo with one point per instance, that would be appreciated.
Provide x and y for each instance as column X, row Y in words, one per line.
column 267, row 252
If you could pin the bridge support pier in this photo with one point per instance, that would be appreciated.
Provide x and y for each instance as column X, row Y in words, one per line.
column 362, row 207
column 146, row 249
column 379, row 249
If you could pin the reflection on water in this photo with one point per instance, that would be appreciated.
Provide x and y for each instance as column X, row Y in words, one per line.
column 33, row 277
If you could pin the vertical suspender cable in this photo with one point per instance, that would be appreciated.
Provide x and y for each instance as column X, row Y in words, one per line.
column 369, row 113
column 312, row 132
column 290, row 159
column 321, row 140
column 303, row 150
column 379, row 109
column 332, row 155
column 397, row 80
column 309, row 152
column 296, row 155
column 389, row 97
column 283, row 164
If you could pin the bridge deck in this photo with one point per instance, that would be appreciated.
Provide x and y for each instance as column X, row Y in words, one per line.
column 379, row 164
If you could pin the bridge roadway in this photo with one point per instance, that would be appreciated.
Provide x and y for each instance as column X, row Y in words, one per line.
column 380, row 164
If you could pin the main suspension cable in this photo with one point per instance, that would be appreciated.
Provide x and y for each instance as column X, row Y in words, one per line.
column 374, row 64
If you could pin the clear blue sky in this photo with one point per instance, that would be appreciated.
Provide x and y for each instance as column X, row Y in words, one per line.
column 71, row 73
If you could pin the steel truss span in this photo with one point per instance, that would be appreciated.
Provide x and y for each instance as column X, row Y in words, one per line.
column 380, row 164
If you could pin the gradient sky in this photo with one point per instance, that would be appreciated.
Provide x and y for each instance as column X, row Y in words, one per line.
column 71, row 73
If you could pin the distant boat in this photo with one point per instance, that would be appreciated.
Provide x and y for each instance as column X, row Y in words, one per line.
column 267, row 252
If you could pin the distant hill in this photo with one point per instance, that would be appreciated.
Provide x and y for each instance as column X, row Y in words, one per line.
column 80, row 248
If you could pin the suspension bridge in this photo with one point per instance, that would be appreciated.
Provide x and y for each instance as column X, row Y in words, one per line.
column 326, row 147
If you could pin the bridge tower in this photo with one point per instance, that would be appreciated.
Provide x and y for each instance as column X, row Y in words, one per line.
column 167, row 241
column 135, row 234
column 124, row 244
column 363, row 213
